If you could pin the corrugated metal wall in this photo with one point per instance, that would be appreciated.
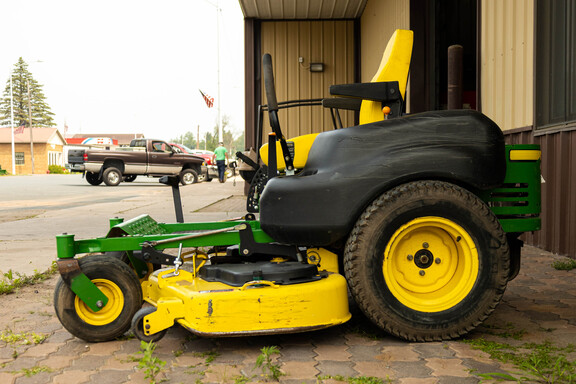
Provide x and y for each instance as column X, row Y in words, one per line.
column 507, row 73
column 507, row 69
column 558, row 192
column 328, row 42
column 377, row 24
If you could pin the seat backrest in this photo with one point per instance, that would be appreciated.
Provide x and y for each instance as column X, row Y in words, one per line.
column 394, row 66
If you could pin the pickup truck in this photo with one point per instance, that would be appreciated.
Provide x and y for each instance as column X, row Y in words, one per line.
column 147, row 157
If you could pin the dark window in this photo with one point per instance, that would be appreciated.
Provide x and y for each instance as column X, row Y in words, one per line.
column 19, row 158
column 555, row 63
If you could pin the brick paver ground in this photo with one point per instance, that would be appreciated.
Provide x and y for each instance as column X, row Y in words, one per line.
column 538, row 306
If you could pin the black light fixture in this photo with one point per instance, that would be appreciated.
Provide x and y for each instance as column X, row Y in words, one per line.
column 316, row 67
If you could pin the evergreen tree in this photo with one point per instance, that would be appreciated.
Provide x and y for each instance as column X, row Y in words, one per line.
column 42, row 116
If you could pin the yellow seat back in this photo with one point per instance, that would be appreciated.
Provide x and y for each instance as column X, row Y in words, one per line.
column 394, row 66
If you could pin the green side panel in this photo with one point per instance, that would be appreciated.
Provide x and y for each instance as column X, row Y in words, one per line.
column 88, row 292
column 124, row 241
column 517, row 202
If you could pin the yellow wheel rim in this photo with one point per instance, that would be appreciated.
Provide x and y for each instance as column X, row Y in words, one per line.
column 110, row 311
column 430, row 264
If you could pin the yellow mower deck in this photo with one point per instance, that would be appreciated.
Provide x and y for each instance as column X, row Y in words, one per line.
column 257, row 307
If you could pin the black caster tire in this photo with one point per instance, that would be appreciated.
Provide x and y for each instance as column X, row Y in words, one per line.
column 118, row 282
column 138, row 326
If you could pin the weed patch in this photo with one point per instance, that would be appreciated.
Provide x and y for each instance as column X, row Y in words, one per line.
column 27, row 338
column 148, row 363
column 11, row 281
column 564, row 265
column 29, row 372
column 355, row 380
column 543, row 361
column 270, row 368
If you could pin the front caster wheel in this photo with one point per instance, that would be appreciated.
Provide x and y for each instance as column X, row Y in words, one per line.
column 120, row 285
column 138, row 325
column 427, row 261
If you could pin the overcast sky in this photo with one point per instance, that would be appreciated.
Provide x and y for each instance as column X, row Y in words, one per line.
column 129, row 66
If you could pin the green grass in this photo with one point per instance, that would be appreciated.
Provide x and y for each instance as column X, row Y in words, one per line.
column 26, row 338
column 541, row 361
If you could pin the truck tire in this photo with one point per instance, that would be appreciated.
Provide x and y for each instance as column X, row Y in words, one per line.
column 93, row 178
column 112, row 176
column 118, row 282
column 130, row 178
column 188, row 176
column 427, row 261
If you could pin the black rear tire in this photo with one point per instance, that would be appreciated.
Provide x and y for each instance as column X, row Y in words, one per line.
column 93, row 178
column 121, row 286
column 427, row 261
column 112, row 176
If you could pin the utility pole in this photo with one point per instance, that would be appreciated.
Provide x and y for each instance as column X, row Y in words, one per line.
column 12, row 124
column 218, row 10
column 30, row 124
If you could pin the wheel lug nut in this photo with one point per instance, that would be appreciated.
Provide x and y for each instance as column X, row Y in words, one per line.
column 437, row 261
column 422, row 273
column 425, row 245
column 410, row 257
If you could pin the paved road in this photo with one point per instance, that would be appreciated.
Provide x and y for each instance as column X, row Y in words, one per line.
column 49, row 192
column 34, row 209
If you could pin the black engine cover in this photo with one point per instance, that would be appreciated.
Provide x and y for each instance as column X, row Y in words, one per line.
column 348, row 168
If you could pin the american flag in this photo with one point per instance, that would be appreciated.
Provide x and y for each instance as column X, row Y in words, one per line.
column 209, row 100
column 18, row 130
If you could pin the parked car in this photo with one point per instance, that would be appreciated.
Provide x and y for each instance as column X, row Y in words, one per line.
column 144, row 157
column 231, row 164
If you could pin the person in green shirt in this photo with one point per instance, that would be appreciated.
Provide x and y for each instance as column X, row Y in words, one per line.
column 221, row 156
